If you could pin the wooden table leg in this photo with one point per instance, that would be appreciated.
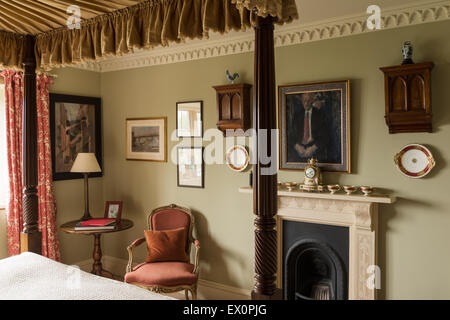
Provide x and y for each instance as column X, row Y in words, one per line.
column 97, row 268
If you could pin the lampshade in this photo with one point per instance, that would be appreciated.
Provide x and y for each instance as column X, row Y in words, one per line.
column 86, row 162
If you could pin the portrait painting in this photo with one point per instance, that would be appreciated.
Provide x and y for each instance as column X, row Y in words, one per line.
column 75, row 124
column 146, row 139
column 315, row 123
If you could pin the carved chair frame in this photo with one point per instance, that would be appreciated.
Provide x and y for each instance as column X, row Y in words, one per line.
column 191, row 240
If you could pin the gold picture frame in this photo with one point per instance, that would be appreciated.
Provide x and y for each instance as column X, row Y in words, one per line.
column 334, row 95
column 146, row 139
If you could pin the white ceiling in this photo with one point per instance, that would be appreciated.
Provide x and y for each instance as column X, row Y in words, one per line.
column 316, row 10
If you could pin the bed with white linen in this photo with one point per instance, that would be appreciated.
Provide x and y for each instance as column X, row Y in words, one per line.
column 31, row 276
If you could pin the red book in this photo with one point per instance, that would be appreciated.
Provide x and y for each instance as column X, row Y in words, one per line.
column 97, row 222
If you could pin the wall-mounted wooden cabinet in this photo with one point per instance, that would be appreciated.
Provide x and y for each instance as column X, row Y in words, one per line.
column 233, row 106
column 408, row 97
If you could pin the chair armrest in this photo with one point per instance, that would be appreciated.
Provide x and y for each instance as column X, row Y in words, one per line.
column 130, row 252
column 197, row 253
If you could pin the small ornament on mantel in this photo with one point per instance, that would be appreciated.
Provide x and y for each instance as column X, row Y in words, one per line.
column 233, row 77
column 407, row 52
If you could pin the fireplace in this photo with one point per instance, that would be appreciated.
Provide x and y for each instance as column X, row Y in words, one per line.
column 356, row 216
column 316, row 261
column 327, row 244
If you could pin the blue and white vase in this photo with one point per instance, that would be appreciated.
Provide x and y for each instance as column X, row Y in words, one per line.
column 407, row 52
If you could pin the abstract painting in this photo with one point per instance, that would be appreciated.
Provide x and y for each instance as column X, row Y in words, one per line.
column 75, row 124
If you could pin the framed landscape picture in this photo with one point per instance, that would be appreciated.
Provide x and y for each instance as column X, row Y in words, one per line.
column 146, row 139
column 75, row 126
column 189, row 119
column 190, row 167
column 315, row 123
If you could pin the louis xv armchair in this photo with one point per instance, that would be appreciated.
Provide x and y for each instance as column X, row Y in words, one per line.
column 167, row 276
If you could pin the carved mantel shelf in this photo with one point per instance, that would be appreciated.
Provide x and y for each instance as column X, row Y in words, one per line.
column 375, row 198
column 357, row 212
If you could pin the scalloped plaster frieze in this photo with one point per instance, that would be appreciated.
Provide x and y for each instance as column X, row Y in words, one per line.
column 291, row 34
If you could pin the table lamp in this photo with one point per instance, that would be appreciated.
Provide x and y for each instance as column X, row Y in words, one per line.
column 86, row 163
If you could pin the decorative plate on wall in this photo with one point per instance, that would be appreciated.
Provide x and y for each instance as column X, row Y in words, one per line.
column 237, row 158
column 414, row 161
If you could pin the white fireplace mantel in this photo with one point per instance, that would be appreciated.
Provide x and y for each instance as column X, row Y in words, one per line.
column 357, row 212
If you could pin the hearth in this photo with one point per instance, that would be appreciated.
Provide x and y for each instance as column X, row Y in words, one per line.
column 316, row 259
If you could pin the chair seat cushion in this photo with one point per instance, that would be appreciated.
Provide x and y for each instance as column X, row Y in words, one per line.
column 167, row 274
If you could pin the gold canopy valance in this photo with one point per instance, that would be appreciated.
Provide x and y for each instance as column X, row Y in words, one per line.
column 143, row 25
column 11, row 50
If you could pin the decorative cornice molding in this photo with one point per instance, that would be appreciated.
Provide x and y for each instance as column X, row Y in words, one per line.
column 295, row 33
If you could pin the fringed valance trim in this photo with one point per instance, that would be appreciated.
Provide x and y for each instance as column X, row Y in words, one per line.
column 283, row 10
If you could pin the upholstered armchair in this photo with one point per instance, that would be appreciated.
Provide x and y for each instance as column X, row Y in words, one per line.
column 167, row 276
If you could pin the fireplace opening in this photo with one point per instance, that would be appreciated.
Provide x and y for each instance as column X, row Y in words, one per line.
column 313, row 272
column 315, row 262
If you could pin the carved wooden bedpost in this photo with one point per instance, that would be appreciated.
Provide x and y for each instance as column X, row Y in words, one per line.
column 264, row 186
column 30, row 238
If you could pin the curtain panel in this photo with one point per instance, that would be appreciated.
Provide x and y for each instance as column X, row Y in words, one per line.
column 13, row 106
column 47, row 201
column 47, row 204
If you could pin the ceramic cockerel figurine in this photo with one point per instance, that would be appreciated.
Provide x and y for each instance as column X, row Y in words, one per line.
column 233, row 77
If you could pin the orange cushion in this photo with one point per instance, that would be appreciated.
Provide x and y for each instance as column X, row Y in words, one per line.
column 166, row 245
column 162, row 274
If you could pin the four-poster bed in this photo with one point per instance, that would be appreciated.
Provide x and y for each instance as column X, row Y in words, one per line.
column 41, row 40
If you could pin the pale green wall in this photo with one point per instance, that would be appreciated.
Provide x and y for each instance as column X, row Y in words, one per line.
column 3, row 240
column 414, row 235
column 414, row 231
column 224, row 217
column 70, row 193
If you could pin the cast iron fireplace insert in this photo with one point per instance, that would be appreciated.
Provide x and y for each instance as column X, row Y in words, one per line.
column 315, row 261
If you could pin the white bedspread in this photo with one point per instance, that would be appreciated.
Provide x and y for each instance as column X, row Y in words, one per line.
column 31, row 276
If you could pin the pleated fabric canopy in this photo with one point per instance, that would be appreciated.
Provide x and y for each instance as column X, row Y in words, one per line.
column 118, row 27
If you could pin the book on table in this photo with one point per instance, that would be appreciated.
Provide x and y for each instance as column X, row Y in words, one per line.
column 96, row 224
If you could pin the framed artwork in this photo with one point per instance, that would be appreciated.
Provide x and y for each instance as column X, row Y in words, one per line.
column 113, row 210
column 190, row 167
column 315, row 123
column 75, row 126
column 190, row 119
column 146, row 139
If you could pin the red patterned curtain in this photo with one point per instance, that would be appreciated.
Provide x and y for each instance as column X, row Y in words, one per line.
column 13, row 106
column 47, row 203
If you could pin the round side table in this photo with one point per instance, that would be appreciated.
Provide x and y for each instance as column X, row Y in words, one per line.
column 97, row 269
